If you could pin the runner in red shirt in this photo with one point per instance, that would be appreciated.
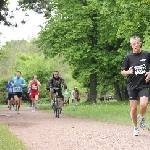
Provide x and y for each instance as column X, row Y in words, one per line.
column 34, row 93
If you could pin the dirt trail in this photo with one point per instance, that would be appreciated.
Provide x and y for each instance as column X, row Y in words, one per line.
column 42, row 131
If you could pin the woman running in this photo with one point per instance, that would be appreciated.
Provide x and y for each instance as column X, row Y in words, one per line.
column 34, row 93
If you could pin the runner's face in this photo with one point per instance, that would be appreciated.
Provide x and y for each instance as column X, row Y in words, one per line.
column 35, row 78
column 136, row 44
column 18, row 74
column 56, row 74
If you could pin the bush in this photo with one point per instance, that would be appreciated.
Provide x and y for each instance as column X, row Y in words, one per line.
column 43, row 101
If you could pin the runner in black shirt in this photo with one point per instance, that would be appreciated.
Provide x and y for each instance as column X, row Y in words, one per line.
column 136, row 67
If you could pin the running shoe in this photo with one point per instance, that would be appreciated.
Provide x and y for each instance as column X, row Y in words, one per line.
column 33, row 111
column 142, row 121
column 135, row 131
column 61, row 111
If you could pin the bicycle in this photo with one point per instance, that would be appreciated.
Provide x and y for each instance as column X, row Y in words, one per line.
column 56, row 104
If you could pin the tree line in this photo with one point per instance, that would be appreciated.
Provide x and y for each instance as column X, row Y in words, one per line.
column 93, row 37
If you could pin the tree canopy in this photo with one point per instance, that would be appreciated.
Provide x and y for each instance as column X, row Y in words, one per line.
column 92, row 36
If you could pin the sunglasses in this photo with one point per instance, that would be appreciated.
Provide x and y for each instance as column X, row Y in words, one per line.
column 56, row 74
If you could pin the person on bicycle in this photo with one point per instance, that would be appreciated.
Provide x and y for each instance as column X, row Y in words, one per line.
column 56, row 82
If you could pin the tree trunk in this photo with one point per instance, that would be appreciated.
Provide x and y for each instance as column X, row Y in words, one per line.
column 121, row 92
column 117, row 92
column 93, row 85
column 124, row 93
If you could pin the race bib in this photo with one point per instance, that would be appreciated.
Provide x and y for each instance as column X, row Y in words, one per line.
column 140, row 69
column 17, row 88
column 34, row 87
column 10, row 90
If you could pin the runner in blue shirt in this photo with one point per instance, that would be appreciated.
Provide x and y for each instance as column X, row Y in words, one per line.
column 18, row 83
column 10, row 93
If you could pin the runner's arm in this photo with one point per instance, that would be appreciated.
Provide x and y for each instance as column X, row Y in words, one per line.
column 29, row 85
column 49, row 83
column 13, row 84
column 125, row 68
column 38, row 82
column 127, row 72
column 23, row 83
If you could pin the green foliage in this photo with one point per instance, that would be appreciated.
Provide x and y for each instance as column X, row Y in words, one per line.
column 104, row 111
column 93, row 36
column 30, row 61
column 8, row 141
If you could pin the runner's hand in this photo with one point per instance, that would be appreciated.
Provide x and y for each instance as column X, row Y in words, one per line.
column 130, row 71
column 147, row 76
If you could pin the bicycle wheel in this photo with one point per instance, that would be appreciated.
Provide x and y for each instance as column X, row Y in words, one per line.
column 54, row 107
column 57, row 112
column 57, row 108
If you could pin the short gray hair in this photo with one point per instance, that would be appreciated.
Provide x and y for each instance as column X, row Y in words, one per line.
column 134, row 38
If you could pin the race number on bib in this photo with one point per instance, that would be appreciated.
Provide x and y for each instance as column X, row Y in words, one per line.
column 34, row 87
column 140, row 69
column 10, row 89
column 17, row 88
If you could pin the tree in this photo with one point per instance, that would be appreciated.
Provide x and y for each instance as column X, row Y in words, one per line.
column 31, row 61
column 74, row 33
column 93, row 37
column 39, row 6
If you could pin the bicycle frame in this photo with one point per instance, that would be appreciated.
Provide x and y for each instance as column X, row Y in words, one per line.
column 57, row 109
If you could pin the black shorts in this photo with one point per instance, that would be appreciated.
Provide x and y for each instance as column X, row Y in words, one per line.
column 137, row 93
column 10, row 96
column 59, row 93
column 19, row 94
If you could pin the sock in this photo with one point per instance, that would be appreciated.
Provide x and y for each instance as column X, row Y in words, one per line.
column 135, row 128
column 33, row 107
column 51, row 102
column 36, row 103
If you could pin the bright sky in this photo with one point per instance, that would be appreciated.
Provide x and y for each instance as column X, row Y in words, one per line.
column 24, row 31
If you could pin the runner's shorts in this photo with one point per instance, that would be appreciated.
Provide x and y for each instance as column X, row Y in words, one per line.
column 137, row 93
column 19, row 94
column 33, row 94
column 10, row 96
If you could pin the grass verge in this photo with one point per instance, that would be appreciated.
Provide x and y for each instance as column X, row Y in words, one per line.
column 8, row 141
column 107, row 111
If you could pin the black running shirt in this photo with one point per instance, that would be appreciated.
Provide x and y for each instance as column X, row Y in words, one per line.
column 140, row 63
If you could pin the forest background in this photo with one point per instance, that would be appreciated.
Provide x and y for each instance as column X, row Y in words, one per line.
column 86, row 40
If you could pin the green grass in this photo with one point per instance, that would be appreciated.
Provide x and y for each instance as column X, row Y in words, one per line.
column 107, row 111
column 112, row 112
column 8, row 141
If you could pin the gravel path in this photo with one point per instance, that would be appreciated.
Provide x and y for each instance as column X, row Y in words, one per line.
column 42, row 131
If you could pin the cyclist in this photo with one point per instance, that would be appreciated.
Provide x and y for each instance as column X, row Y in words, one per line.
column 56, row 82
column 18, row 83
column 34, row 93
column 10, row 93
